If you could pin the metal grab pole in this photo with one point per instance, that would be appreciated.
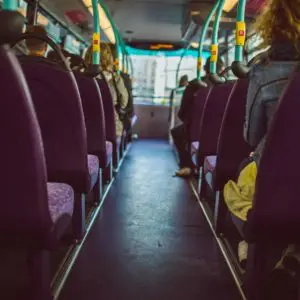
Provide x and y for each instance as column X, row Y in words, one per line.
column 10, row 5
column 117, row 37
column 179, row 64
column 238, row 67
column 202, row 39
column 240, row 36
column 96, row 34
column 214, row 46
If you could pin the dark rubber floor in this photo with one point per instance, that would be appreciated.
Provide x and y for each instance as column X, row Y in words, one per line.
column 151, row 240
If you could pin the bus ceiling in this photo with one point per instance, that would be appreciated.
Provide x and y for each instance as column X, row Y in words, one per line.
column 146, row 24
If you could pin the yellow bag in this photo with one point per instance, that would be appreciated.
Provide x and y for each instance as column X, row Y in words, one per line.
column 239, row 196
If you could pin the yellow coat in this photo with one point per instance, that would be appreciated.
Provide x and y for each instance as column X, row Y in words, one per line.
column 239, row 196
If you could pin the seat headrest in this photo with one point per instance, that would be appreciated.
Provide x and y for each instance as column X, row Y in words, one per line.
column 11, row 26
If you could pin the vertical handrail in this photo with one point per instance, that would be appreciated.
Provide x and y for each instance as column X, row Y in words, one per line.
column 240, row 31
column 215, row 45
column 96, row 34
column 10, row 5
column 202, row 39
column 179, row 64
column 238, row 67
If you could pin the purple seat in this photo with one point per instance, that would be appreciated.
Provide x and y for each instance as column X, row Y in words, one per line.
column 209, row 164
column 110, row 125
column 93, row 165
column 26, row 224
column 211, row 120
column 32, row 219
column 195, row 112
column 194, row 151
column 60, row 200
column 276, row 208
column 61, row 119
column 94, row 117
column 109, row 150
column 232, row 147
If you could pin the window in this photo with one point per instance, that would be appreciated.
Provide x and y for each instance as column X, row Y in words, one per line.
column 155, row 72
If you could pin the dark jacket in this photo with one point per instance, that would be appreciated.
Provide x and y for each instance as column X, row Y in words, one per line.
column 266, row 83
column 187, row 100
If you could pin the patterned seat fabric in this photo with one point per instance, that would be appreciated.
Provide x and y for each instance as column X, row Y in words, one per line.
column 109, row 151
column 93, row 165
column 210, row 164
column 60, row 200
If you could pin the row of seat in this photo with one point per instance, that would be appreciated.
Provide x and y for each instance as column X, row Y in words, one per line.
column 58, row 136
column 218, row 148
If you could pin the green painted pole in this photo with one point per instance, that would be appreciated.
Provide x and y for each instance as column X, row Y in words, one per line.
column 179, row 63
column 240, row 31
column 202, row 39
column 214, row 46
column 96, row 34
column 10, row 5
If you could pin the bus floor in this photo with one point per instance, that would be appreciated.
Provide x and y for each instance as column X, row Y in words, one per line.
column 150, row 240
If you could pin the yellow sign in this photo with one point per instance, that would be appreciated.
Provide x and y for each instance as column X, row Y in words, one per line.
column 214, row 53
column 116, row 63
column 240, row 34
column 96, row 42
column 199, row 64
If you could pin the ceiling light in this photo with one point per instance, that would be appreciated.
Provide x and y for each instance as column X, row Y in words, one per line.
column 195, row 45
column 229, row 5
column 195, row 12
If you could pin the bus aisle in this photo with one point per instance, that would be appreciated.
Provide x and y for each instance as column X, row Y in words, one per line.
column 150, row 240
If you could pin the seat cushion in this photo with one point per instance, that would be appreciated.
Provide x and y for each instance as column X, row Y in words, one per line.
column 194, row 151
column 209, row 179
column 60, row 200
column 93, row 165
column 209, row 164
column 109, row 151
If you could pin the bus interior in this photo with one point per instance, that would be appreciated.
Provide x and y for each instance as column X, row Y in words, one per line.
column 90, row 207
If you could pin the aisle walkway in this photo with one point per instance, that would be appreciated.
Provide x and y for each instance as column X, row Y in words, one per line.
column 151, row 241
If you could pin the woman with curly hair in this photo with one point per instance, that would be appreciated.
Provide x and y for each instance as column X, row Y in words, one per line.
column 279, row 27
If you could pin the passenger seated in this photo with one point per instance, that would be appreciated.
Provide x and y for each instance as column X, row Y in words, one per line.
column 179, row 133
column 184, row 81
column 36, row 47
column 279, row 28
column 115, row 82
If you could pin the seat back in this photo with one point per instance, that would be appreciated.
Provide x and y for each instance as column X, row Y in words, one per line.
column 59, row 110
column 232, row 147
column 94, row 116
column 196, row 112
column 109, row 111
column 24, row 212
column 213, row 113
column 128, row 85
column 275, row 214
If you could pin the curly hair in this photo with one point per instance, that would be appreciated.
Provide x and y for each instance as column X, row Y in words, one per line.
column 279, row 21
column 106, row 57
